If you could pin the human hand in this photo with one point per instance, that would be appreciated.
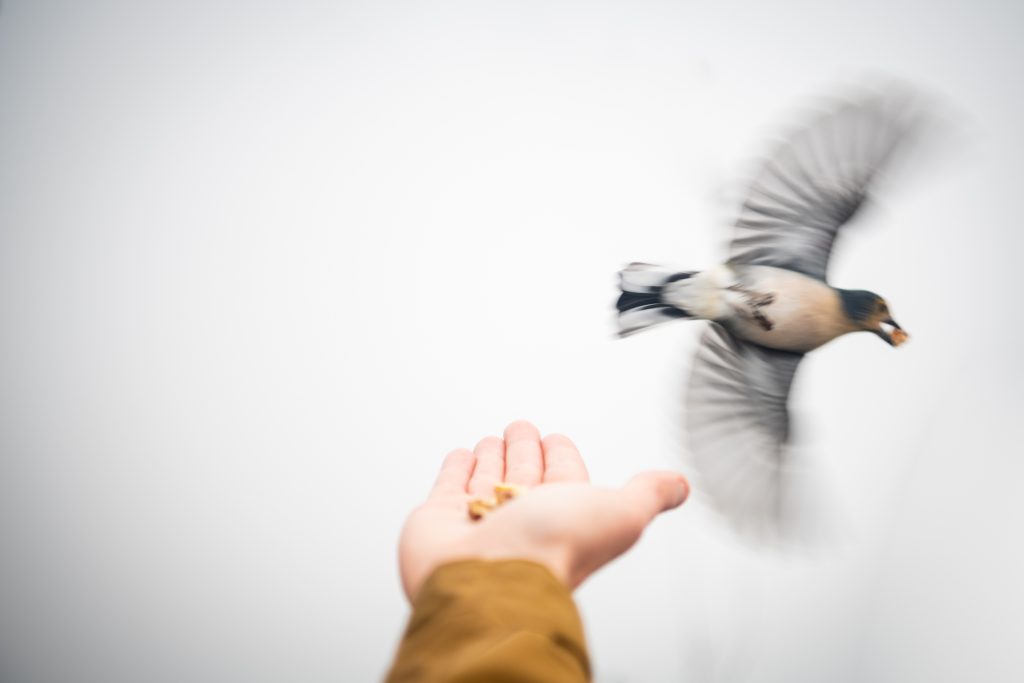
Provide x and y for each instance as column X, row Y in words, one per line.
column 560, row 520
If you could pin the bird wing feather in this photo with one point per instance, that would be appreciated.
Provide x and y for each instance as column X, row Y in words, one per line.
column 815, row 181
column 738, row 427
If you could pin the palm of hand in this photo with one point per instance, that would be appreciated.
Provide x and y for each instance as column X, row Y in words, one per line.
column 560, row 521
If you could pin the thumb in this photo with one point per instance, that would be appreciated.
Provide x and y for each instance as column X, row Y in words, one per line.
column 651, row 493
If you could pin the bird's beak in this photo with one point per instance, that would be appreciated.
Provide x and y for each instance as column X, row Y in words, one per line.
column 890, row 331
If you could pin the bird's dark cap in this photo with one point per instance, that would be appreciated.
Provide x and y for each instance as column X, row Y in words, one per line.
column 859, row 304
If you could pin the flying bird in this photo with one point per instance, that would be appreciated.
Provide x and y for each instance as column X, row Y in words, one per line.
column 770, row 302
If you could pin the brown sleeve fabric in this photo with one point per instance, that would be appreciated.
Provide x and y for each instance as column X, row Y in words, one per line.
column 508, row 621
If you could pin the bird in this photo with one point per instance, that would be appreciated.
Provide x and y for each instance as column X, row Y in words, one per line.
column 770, row 303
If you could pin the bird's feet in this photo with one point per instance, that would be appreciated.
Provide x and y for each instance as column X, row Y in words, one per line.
column 755, row 302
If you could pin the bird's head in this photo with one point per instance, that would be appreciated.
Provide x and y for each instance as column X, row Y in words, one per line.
column 870, row 312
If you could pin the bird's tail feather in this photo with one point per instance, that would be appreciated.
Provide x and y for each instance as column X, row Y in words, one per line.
column 640, row 304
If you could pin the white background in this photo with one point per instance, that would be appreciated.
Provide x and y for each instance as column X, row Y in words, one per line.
column 262, row 264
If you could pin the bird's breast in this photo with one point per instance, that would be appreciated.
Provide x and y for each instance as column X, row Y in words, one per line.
column 784, row 310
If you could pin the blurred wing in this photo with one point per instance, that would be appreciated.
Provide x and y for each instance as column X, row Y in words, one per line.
column 817, row 179
column 738, row 427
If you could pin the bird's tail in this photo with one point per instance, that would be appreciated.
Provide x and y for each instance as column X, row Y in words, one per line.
column 641, row 304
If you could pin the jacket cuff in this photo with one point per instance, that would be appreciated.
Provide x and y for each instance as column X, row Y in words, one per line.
column 492, row 618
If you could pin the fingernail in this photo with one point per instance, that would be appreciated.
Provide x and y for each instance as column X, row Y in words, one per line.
column 682, row 490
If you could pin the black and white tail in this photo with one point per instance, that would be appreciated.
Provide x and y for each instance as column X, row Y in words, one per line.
column 641, row 305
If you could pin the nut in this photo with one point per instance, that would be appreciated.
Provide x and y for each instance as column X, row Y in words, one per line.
column 478, row 507
column 506, row 492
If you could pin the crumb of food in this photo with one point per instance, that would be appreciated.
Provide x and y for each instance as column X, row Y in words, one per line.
column 506, row 492
column 898, row 337
column 478, row 507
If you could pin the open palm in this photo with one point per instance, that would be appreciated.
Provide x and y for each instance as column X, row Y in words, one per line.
column 560, row 521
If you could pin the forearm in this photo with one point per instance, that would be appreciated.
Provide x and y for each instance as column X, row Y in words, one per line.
column 507, row 621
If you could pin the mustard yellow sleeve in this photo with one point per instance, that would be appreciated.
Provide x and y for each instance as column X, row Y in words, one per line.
column 508, row 621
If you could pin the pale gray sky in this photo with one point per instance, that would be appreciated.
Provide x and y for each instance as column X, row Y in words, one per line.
column 262, row 264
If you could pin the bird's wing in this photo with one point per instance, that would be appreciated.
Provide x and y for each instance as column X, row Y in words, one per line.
column 738, row 429
column 817, row 178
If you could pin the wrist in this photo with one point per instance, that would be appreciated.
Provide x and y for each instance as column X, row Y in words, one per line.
column 554, row 560
column 494, row 546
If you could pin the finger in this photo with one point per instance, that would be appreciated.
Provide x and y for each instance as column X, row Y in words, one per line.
column 651, row 493
column 454, row 475
column 524, row 461
column 562, row 460
column 490, row 466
